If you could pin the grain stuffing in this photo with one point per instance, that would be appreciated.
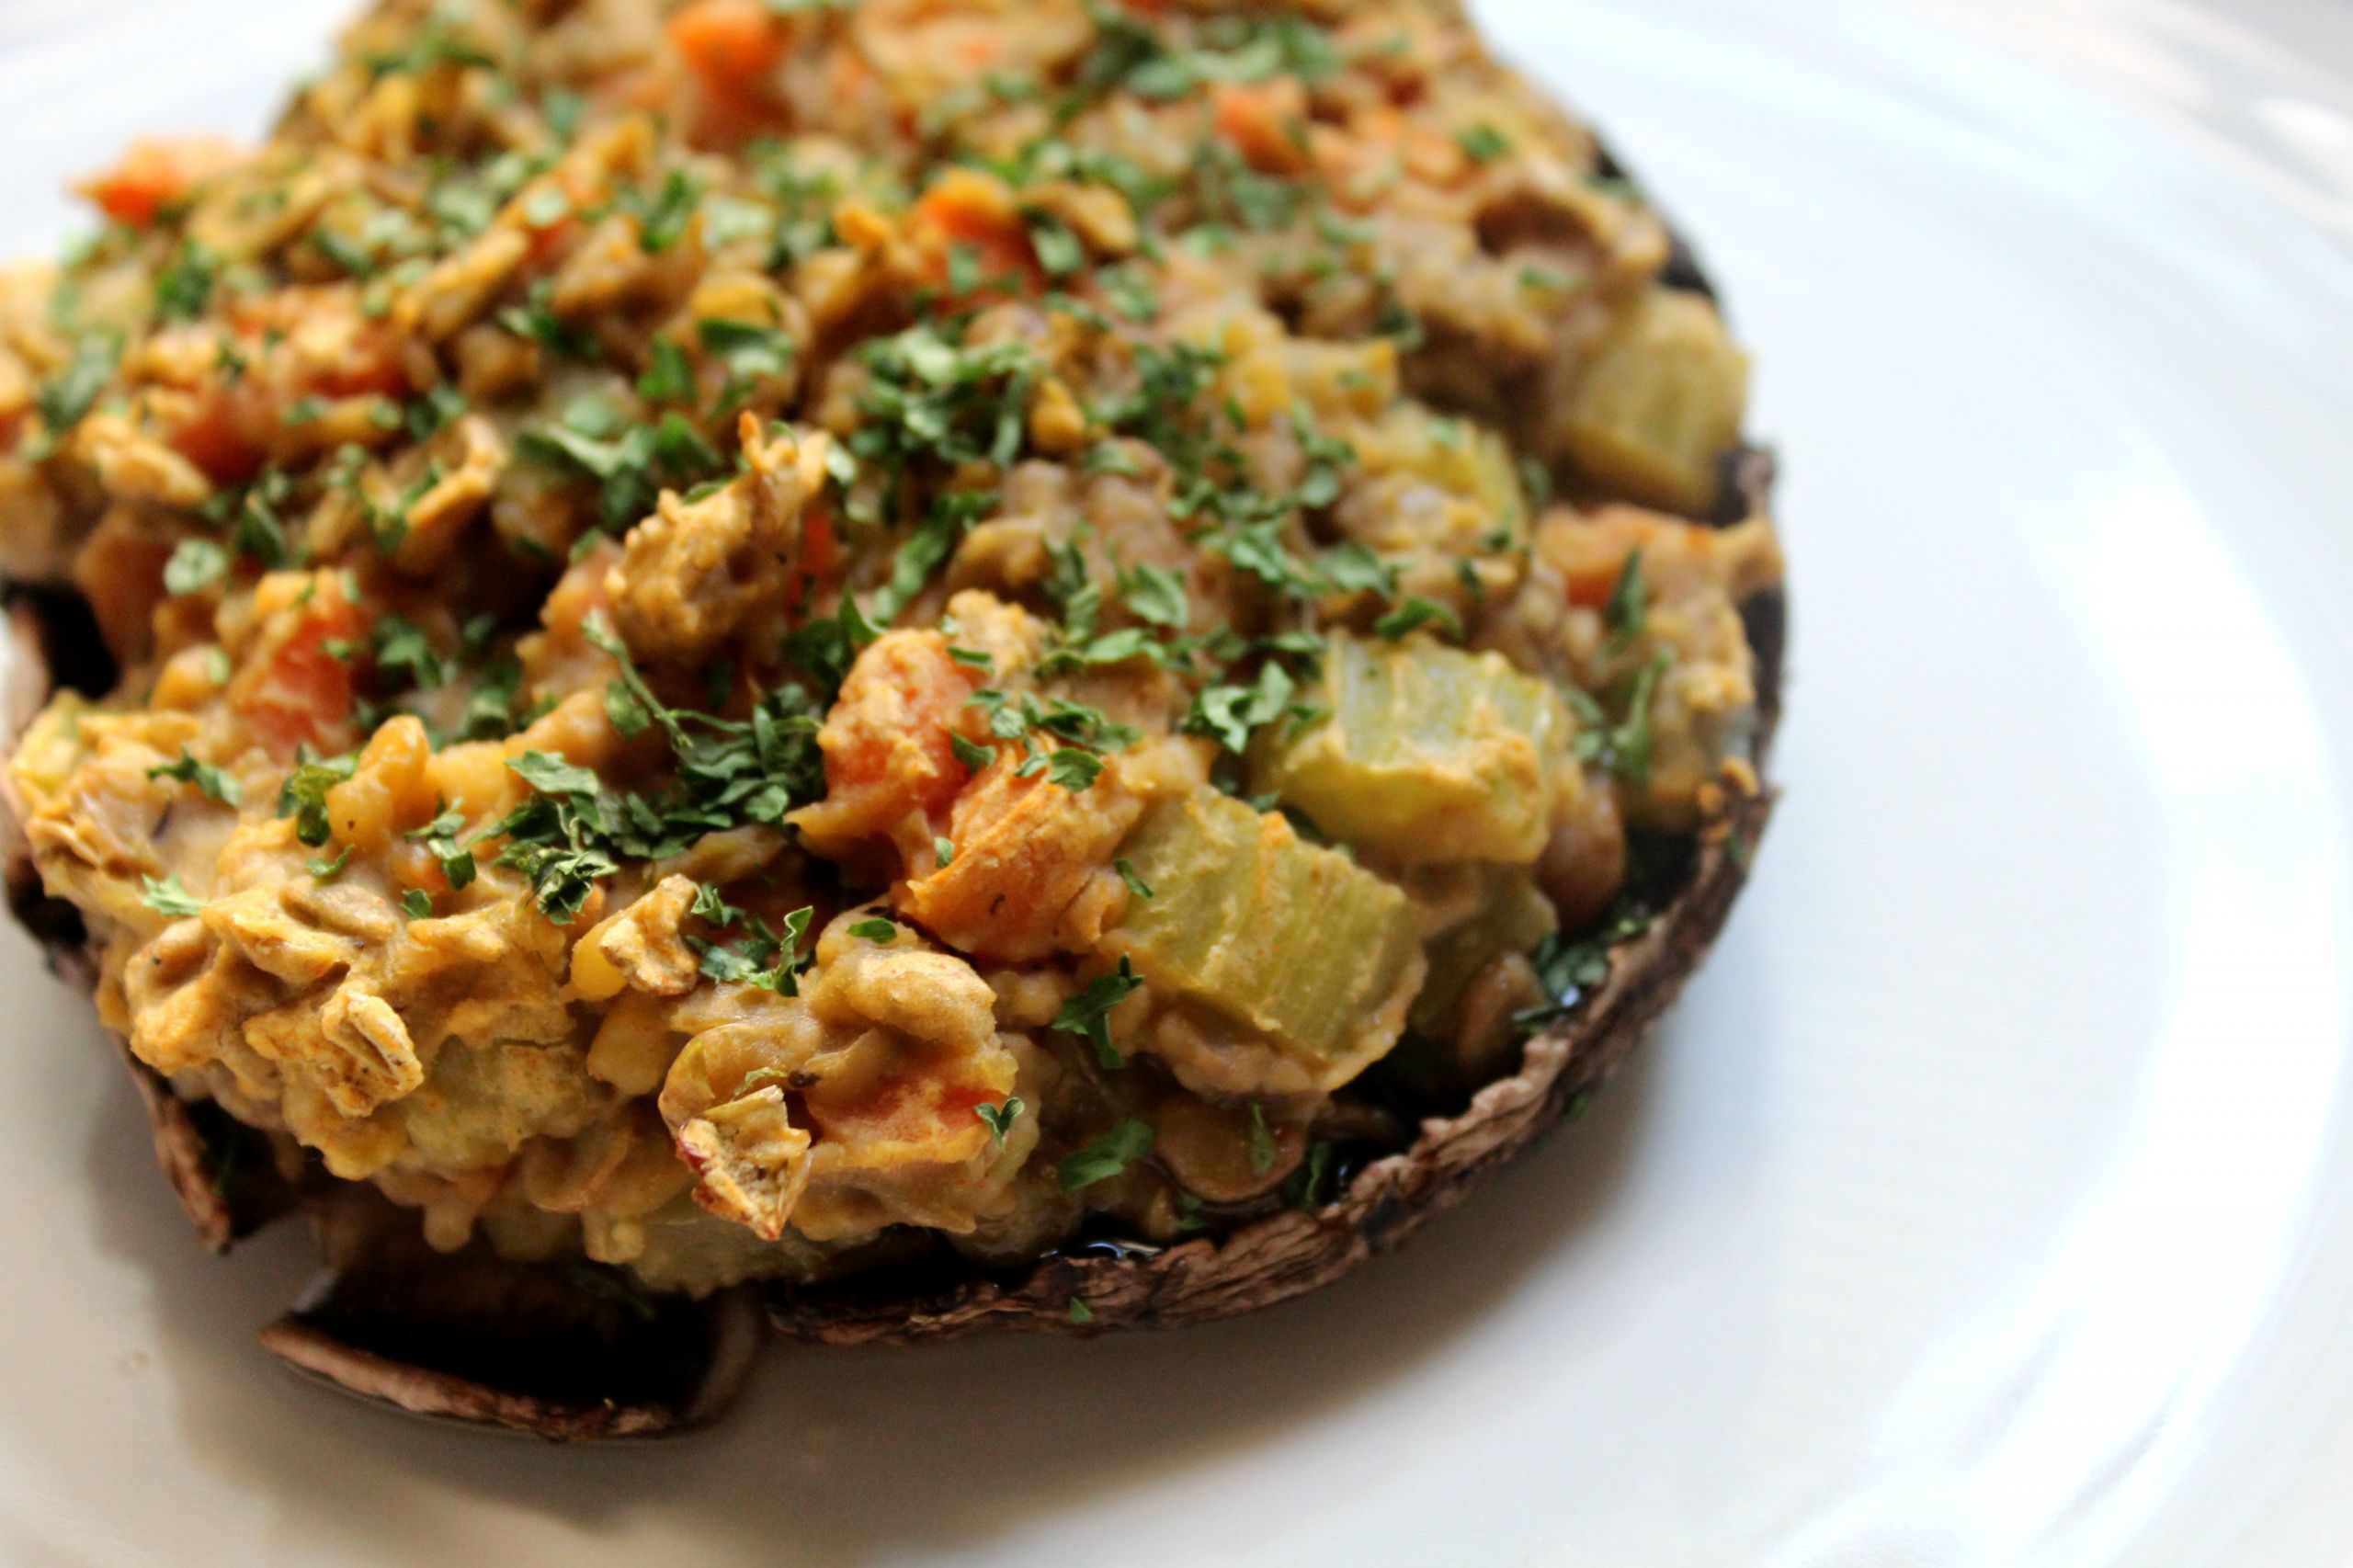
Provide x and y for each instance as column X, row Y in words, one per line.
column 756, row 639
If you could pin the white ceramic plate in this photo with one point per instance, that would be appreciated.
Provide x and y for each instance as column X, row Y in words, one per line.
column 1989, row 1199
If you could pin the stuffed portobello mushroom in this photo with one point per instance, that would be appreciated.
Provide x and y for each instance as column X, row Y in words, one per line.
column 883, row 667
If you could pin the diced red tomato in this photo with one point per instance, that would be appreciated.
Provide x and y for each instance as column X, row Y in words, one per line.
column 1265, row 121
column 156, row 176
column 300, row 693
column 226, row 435
column 890, row 730
column 552, row 240
column 891, row 762
column 820, row 565
column 729, row 43
column 732, row 47
column 232, row 426
column 973, row 213
column 1592, row 578
column 931, row 1105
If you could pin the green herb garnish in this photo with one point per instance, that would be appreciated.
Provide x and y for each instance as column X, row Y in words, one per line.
column 204, row 776
column 1088, row 1014
column 1262, row 1141
column 1629, row 605
column 1106, row 1156
column 168, row 897
column 1000, row 1117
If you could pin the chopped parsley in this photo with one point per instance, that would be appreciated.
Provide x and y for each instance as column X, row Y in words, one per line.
column 437, row 43
column 728, row 773
column 303, row 796
column 752, row 356
column 663, row 217
column 1073, row 768
column 547, row 206
column 440, row 839
column 632, row 461
column 669, row 376
column 1351, row 568
column 204, row 776
column 185, row 286
column 1088, row 1014
column 1305, row 1187
column 972, row 754
column 929, row 396
column 1106, row 1156
column 552, row 775
column 1483, row 143
column 535, row 321
column 1415, row 614
column 1000, row 1117
column 927, row 549
column 1076, row 736
column 1155, row 597
column 1630, row 741
column 1628, row 609
column 1229, row 712
column 1569, row 968
column 348, row 255
column 69, row 395
column 168, row 897
column 1059, row 250
column 1262, row 1140
column 770, row 958
column 400, row 646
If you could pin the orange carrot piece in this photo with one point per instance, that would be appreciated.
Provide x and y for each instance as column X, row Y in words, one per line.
column 1264, row 121
column 729, row 43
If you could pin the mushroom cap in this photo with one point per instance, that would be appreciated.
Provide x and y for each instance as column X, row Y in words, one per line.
column 576, row 1352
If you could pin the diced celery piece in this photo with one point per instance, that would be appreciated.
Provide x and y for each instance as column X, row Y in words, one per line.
column 1511, row 916
column 1662, row 399
column 1313, row 953
column 1426, row 754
